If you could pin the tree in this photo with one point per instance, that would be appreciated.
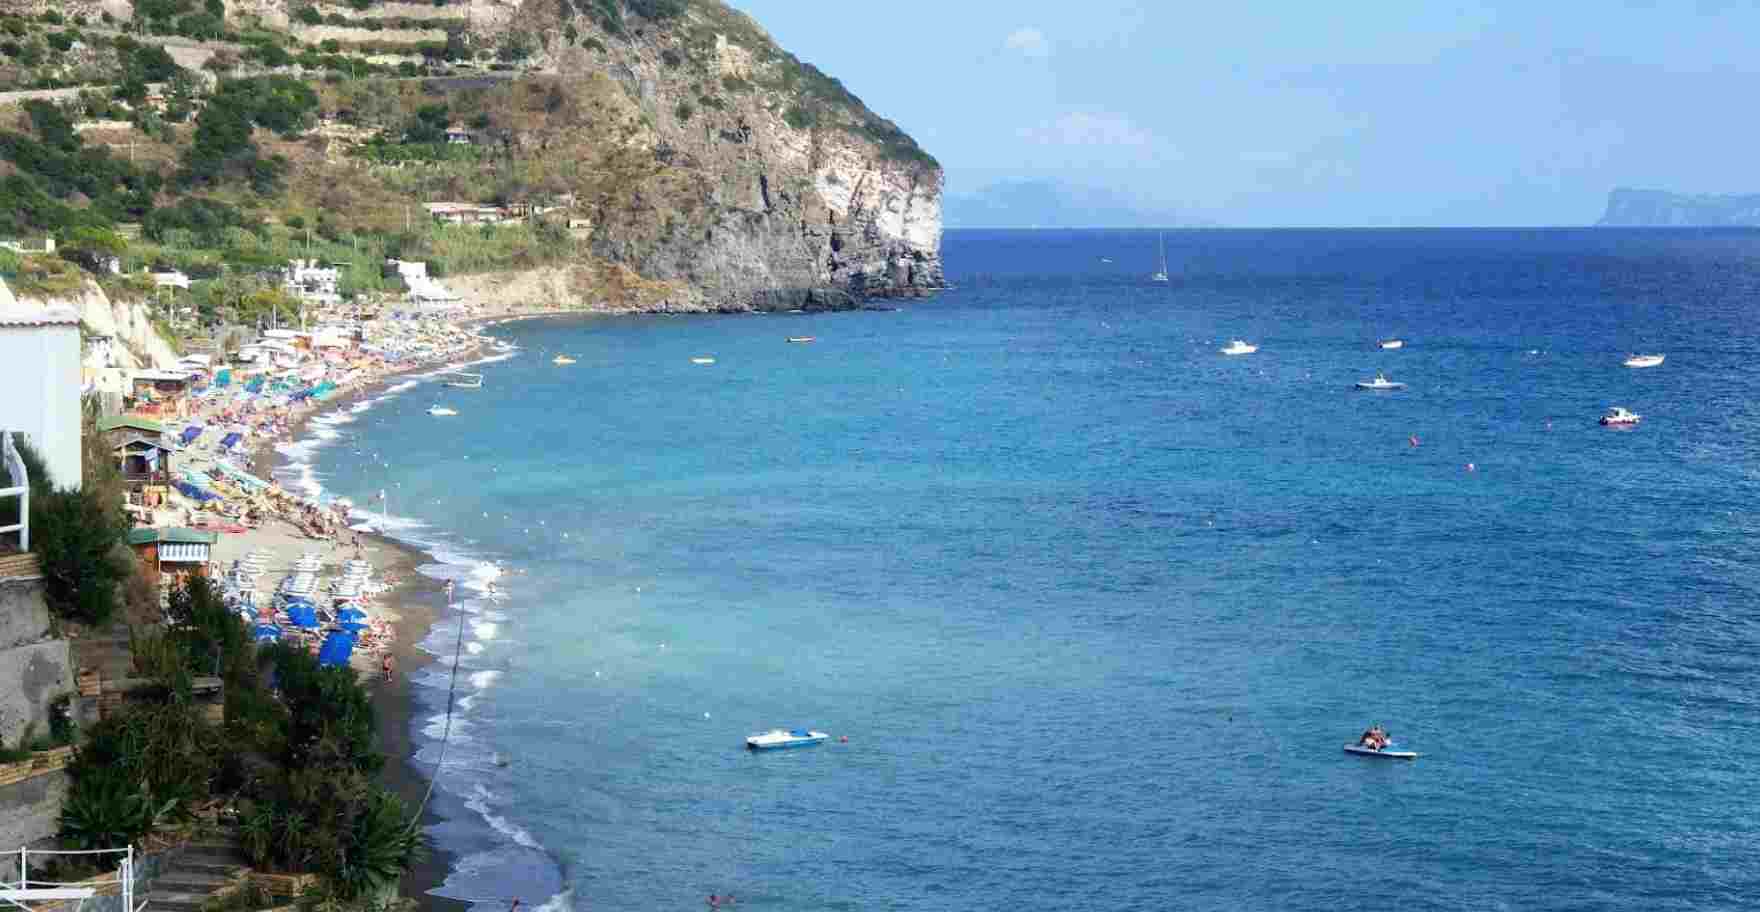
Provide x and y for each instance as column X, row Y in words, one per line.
column 132, row 91
column 516, row 46
column 92, row 249
column 428, row 125
column 75, row 538
column 202, row 25
column 181, row 95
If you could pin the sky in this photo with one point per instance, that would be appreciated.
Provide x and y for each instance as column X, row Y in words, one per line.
column 1258, row 114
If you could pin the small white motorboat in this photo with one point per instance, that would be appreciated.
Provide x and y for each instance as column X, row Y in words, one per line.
column 1384, row 753
column 703, row 360
column 1380, row 384
column 1391, row 344
column 800, row 340
column 779, row 738
column 1239, row 347
column 1619, row 417
column 464, row 381
column 562, row 359
column 1637, row 360
column 441, row 411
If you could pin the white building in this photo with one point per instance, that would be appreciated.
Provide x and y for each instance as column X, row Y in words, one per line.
column 426, row 294
column 172, row 279
column 47, row 248
column 40, row 348
column 466, row 213
column 311, row 282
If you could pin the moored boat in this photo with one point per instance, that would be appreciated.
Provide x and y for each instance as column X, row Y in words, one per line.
column 800, row 340
column 1380, row 384
column 441, row 411
column 1384, row 753
column 1391, row 344
column 780, row 738
column 1637, row 360
column 461, row 380
column 1619, row 417
column 562, row 359
column 703, row 360
column 1239, row 347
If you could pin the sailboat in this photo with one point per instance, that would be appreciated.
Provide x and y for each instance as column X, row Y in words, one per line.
column 1161, row 276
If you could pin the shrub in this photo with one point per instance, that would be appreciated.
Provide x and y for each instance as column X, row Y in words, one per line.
column 209, row 637
column 75, row 538
column 107, row 812
column 206, row 220
column 308, row 15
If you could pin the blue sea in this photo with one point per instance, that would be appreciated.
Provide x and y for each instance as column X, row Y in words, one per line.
column 1097, row 607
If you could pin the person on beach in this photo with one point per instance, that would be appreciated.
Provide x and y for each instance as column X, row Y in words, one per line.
column 388, row 666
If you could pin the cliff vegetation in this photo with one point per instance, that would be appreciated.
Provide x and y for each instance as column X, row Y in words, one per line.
column 668, row 140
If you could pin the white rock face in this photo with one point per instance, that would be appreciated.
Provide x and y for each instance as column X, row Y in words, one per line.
column 899, row 208
column 138, row 343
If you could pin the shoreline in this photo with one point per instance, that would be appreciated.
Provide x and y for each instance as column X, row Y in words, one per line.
column 418, row 603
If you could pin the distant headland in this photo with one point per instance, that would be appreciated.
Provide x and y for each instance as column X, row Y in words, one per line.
column 1629, row 208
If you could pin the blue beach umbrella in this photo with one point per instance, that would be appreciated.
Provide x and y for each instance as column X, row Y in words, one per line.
column 336, row 649
column 267, row 633
column 303, row 616
column 351, row 613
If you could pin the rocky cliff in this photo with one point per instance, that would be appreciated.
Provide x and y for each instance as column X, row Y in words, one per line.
column 774, row 187
column 1660, row 208
column 137, row 342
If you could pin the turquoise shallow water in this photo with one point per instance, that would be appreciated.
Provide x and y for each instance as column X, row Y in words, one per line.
column 1096, row 606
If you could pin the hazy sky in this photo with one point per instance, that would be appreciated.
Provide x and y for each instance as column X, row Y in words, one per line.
column 1300, row 113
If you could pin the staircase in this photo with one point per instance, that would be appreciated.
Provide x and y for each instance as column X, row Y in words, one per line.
column 195, row 873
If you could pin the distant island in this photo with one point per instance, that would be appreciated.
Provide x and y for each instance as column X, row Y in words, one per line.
column 1054, row 204
column 1629, row 208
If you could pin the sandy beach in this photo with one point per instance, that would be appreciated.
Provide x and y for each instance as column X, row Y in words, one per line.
column 407, row 608
column 411, row 607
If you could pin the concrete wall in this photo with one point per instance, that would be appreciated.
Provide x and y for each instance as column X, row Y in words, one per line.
column 30, row 677
column 30, row 811
column 24, row 616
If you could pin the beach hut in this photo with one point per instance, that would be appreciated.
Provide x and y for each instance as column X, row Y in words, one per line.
column 180, row 553
column 143, row 461
column 115, row 429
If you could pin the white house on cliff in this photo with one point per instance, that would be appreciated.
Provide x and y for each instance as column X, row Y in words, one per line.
column 40, row 381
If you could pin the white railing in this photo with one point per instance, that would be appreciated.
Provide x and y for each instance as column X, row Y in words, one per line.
column 21, row 489
column 15, row 894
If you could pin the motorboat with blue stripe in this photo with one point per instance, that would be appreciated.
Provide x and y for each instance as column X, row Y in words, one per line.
column 781, row 738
